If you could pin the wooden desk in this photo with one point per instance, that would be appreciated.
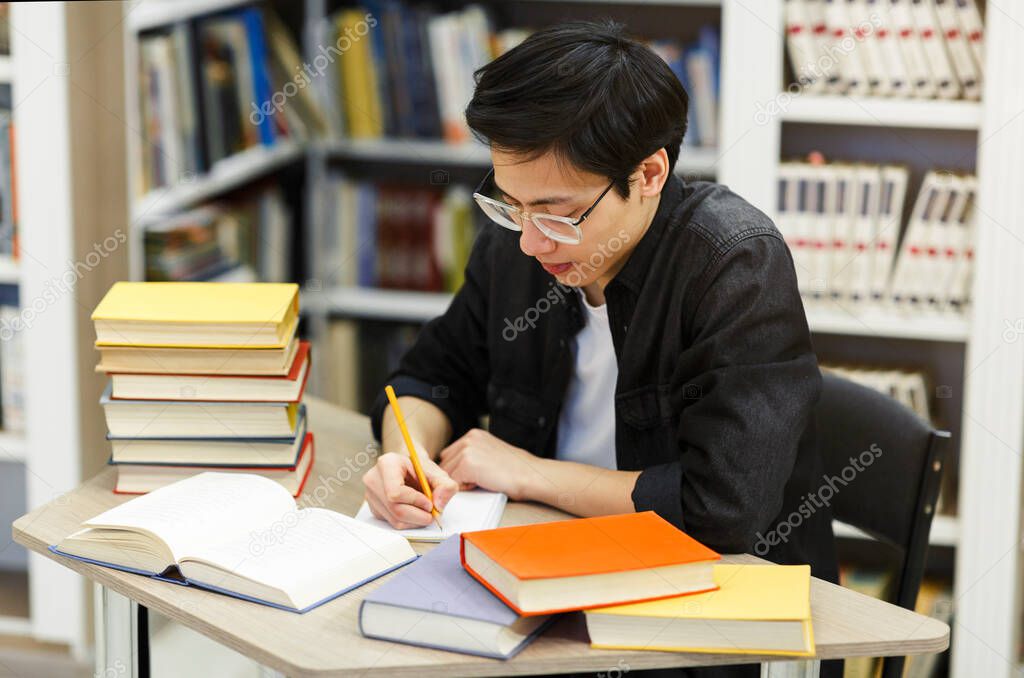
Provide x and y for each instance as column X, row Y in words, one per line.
column 326, row 641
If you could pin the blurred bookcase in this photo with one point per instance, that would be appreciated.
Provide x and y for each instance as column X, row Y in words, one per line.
column 976, row 376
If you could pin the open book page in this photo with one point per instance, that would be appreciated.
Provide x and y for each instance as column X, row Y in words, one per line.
column 467, row 511
column 206, row 507
column 310, row 554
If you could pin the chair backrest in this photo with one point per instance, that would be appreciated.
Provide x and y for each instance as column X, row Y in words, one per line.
column 885, row 465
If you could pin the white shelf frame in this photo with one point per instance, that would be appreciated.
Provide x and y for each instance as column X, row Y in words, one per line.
column 881, row 112
column 693, row 160
column 889, row 323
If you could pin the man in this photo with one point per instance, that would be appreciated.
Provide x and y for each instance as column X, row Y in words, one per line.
column 637, row 341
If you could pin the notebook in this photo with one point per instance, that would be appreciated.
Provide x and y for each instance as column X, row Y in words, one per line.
column 243, row 315
column 587, row 562
column 435, row 603
column 757, row 609
column 466, row 511
column 241, row 535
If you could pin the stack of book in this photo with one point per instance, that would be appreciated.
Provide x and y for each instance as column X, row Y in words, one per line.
column 642, row 583
column 895, row 48
column 842, row 223
column 203, row 376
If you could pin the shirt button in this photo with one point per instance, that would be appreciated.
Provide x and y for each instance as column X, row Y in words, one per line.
column 499, row 403
column 625, row 328
column 541, row 421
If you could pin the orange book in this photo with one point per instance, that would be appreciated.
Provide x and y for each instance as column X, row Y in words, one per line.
column 587, row 562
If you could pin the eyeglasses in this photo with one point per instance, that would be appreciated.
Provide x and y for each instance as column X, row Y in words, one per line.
column 560, row 229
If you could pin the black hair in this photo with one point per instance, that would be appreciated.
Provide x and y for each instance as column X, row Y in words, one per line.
column 586, row 91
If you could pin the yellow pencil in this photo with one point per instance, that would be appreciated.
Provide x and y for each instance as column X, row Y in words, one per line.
column 412, row 454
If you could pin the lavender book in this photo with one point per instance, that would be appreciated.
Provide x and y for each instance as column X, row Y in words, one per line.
column 435, row 603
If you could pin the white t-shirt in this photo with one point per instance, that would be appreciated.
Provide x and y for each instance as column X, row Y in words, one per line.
column 586, row 425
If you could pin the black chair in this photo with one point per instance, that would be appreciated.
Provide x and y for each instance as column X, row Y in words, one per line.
column 893, row 498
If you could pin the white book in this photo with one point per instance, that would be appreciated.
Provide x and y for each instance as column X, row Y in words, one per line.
column 959, row 50
column 935, row 265
column 887, row 232
column 792, row 221
column 868, row 180
column 864, row 22
column 467, row 511
column 701, row 71
column 887, row 39
column 958, row 288
column 971, row 25
column 241, row 535
column 842, row 249
column 846, row 49
column 934, row 43
column 12, row 372
column 442, row 31
column 922, row 85
column 832, row 230
column 908, row 274
column 819, row 230
column 825, row 64
column 802, row 48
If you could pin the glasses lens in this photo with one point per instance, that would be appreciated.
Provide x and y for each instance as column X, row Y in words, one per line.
column 557, row 229
column 503, row 215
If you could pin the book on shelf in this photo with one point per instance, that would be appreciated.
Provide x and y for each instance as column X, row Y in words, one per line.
column 252, row 231
column 869, row 582
column 467, row 511
column 205, row 531
column 208, row 315
column 906, row 386
column 193, row 451
column 12, row 371
column 408, row 70
column 208, row 90
column 892, row 48
column 397, row 237
column 257, row 388
column 587, row 562
column 842, row 222
column 435, row 603
column 757, row 609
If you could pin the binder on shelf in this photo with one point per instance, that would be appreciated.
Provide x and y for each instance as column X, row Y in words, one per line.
column 932, row 39
column 959, row 49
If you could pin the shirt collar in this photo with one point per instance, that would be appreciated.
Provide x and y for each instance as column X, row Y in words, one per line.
column 638, row 265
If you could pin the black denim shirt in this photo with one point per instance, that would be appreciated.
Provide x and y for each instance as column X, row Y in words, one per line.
column 716, row 374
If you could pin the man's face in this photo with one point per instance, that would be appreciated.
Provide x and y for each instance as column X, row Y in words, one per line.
column 549, row 185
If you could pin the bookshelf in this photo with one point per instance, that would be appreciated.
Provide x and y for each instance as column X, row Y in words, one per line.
column 986, row 552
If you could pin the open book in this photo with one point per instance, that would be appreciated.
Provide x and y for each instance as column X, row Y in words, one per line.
column 241, row 535
column 467, row 511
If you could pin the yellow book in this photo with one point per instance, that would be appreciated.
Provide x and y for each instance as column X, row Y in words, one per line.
column 363, row 107
column 194, row 314
column 758, row 609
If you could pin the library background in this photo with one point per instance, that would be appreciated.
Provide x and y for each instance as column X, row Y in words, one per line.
column 322, row 142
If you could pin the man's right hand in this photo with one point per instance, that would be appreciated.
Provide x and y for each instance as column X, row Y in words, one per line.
column 393, row 490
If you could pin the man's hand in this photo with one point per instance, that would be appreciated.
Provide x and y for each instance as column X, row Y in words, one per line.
column 393, row 491
column 479, row 459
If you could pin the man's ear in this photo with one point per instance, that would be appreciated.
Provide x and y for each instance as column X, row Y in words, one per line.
column 653, row 174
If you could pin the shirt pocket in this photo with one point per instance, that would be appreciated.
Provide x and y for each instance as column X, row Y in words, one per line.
column 518, row 416
column 649, row 425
